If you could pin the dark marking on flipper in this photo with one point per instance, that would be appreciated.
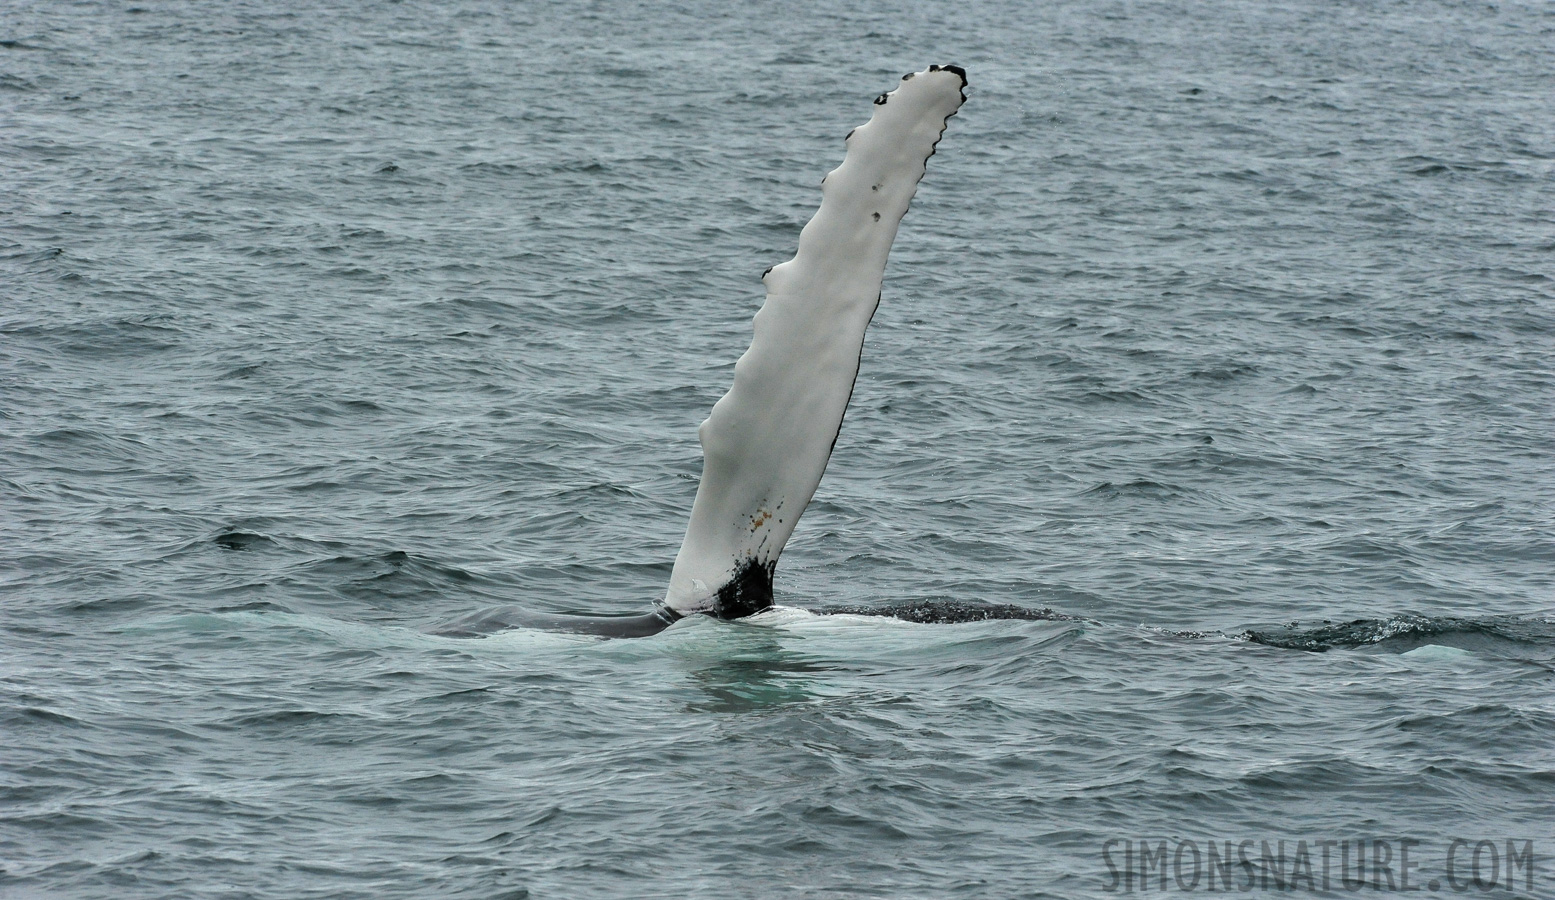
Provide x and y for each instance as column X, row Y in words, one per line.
column 956, row 70
column 747, row 593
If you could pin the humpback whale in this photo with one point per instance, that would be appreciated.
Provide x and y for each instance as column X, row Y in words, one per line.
column 767, row 441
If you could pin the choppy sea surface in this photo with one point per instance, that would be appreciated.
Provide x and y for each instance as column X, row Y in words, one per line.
column 1214, row 365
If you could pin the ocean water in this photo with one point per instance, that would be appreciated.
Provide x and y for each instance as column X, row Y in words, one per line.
column 1213, row 383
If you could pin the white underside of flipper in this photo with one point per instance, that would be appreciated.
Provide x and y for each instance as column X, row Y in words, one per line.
column 768, row 440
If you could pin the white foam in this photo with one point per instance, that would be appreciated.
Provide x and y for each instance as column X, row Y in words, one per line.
column 1437, row 652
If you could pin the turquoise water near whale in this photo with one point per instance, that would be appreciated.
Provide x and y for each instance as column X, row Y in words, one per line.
column 1223, row 331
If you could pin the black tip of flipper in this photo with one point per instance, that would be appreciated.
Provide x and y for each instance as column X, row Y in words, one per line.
column 960, row 72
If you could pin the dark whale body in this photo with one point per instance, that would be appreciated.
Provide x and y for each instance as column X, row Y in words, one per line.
column 507, row 617
column 748, row 593
column 922, row 612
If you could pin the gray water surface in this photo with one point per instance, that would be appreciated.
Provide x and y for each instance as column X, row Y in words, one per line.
column 1223, row 331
